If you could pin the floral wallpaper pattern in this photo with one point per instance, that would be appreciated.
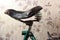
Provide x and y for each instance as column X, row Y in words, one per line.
column 11, row 29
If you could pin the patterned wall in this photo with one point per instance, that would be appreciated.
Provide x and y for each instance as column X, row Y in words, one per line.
column 11, row 29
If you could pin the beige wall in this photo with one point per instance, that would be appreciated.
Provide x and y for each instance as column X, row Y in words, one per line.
column 11, row 29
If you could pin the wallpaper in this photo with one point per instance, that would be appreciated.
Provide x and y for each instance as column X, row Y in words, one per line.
column 11, row 29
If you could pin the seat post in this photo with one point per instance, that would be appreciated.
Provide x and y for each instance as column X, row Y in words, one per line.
column 28, row 33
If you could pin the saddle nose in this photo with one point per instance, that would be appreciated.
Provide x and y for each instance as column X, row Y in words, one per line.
column 9, row 11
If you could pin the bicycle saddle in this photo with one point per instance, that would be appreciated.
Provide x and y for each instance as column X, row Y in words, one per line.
column 23, row 14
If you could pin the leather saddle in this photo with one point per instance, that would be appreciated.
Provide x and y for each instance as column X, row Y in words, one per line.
column 23, row 14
